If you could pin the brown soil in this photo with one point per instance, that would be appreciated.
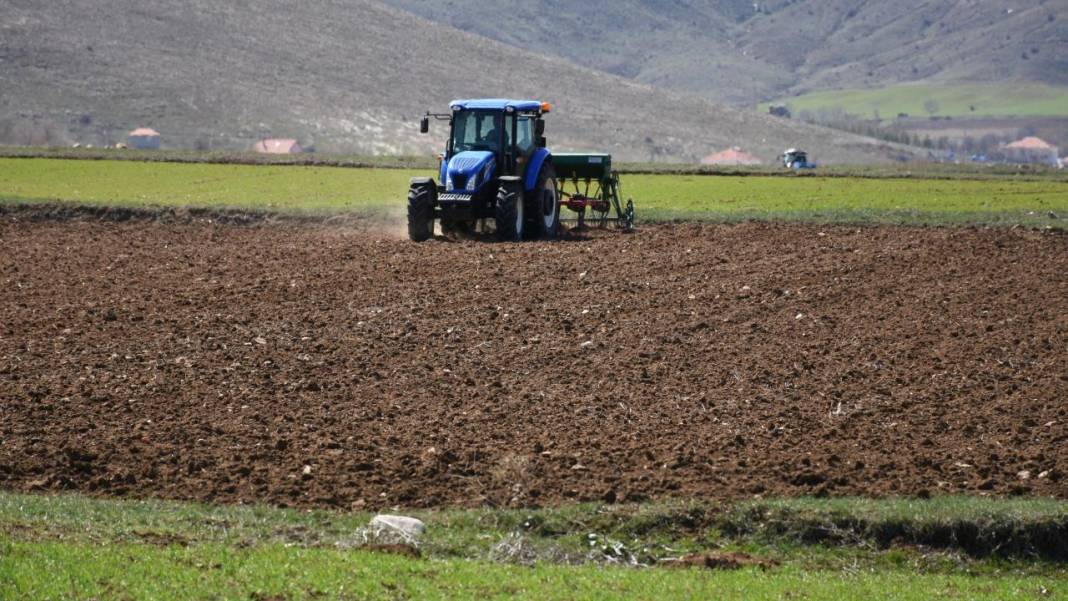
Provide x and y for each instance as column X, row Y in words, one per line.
column 325, row 366
column 720, row 560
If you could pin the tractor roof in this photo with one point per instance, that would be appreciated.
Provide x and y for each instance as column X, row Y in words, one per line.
column 496, row 104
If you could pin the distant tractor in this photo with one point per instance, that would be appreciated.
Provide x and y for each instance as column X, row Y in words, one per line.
column 793, row 158
column 496, row 166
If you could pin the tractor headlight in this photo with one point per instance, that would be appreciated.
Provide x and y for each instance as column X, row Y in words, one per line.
column 448, row 182
column 472, row 183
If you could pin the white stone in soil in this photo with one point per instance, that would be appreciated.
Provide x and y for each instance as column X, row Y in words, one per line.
column 407, row 526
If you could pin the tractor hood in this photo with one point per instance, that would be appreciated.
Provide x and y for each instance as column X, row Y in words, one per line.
column 468, row 170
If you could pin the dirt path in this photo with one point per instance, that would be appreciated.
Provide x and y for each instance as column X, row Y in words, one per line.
column 326, row 366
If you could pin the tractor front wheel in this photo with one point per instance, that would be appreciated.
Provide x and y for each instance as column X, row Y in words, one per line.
column 421, row 210
column 509, row 211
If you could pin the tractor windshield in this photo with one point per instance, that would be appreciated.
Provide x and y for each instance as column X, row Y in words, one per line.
column 478, row 130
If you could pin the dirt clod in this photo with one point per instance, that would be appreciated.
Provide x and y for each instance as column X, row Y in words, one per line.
column 720, row 560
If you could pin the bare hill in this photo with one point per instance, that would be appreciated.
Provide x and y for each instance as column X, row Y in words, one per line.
column 744, row 51
column 844, row 43
column 350, row 75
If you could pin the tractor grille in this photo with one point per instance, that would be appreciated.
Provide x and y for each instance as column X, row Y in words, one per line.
column 454, row 198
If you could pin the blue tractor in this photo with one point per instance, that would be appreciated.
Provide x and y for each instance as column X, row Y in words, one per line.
column 495, row 166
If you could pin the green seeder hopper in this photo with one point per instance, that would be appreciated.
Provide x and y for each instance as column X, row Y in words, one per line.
column 587, row 184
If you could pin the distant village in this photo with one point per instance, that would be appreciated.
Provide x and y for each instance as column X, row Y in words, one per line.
column 146, row 138
column 1027, row 149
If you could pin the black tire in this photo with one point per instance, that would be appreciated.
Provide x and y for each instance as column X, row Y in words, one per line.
column 509, row 210
column 543, row 206
column 421, row 211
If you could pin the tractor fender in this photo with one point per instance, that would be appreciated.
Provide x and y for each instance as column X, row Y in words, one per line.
column 530, row 178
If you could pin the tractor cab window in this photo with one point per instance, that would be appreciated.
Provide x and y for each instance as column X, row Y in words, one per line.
column 524, row 136
column 477, row 130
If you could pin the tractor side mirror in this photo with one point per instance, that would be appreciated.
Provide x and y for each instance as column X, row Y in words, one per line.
column 539, row 128
column 424, row 125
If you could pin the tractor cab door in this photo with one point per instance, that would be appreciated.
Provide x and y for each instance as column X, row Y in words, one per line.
column 525, row 141
column 524, row 138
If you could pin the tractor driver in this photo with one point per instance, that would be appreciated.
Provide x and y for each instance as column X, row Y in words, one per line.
column 492, row 137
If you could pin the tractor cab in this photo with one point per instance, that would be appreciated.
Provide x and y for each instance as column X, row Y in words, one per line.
column 489, row 138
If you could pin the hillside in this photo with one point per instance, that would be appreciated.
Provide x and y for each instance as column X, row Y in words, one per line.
column 875, row 44
column 726, row 50
column 686, row 45
column 347, row 75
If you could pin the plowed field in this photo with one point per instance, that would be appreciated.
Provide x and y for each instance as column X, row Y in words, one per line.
column 330, row 366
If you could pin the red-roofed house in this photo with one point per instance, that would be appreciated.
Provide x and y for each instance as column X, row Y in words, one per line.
column 143, row 138
column 282, row 146
column 732, row 156
column 1031, row 150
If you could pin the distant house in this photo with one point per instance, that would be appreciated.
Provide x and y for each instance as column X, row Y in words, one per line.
column 143, row 138
column 732, row 156
column 1031, row 150
column 280, row 146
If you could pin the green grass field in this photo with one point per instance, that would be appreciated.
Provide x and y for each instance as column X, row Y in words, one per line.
column 320, row 189
column 954, row 100
column 75, row 547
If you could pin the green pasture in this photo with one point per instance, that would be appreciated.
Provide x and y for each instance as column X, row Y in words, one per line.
column 861, row 200
column 74, row 547
column 381, row 191
column 262, row 187
column 55, row 570
column 923, row 100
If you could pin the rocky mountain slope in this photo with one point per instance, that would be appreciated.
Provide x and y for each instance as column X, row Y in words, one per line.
column 745, row 52
column 340, row 75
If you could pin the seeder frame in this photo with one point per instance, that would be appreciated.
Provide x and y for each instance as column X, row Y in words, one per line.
column 576, row 175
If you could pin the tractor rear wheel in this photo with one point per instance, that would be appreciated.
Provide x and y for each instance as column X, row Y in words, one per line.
column 544, row 205
column 509, row 211
column 421, row 210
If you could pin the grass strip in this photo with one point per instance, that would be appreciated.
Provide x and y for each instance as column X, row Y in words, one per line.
column 317, row 190
column 1024, row 528
column 73, row 546
column 77, row 570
